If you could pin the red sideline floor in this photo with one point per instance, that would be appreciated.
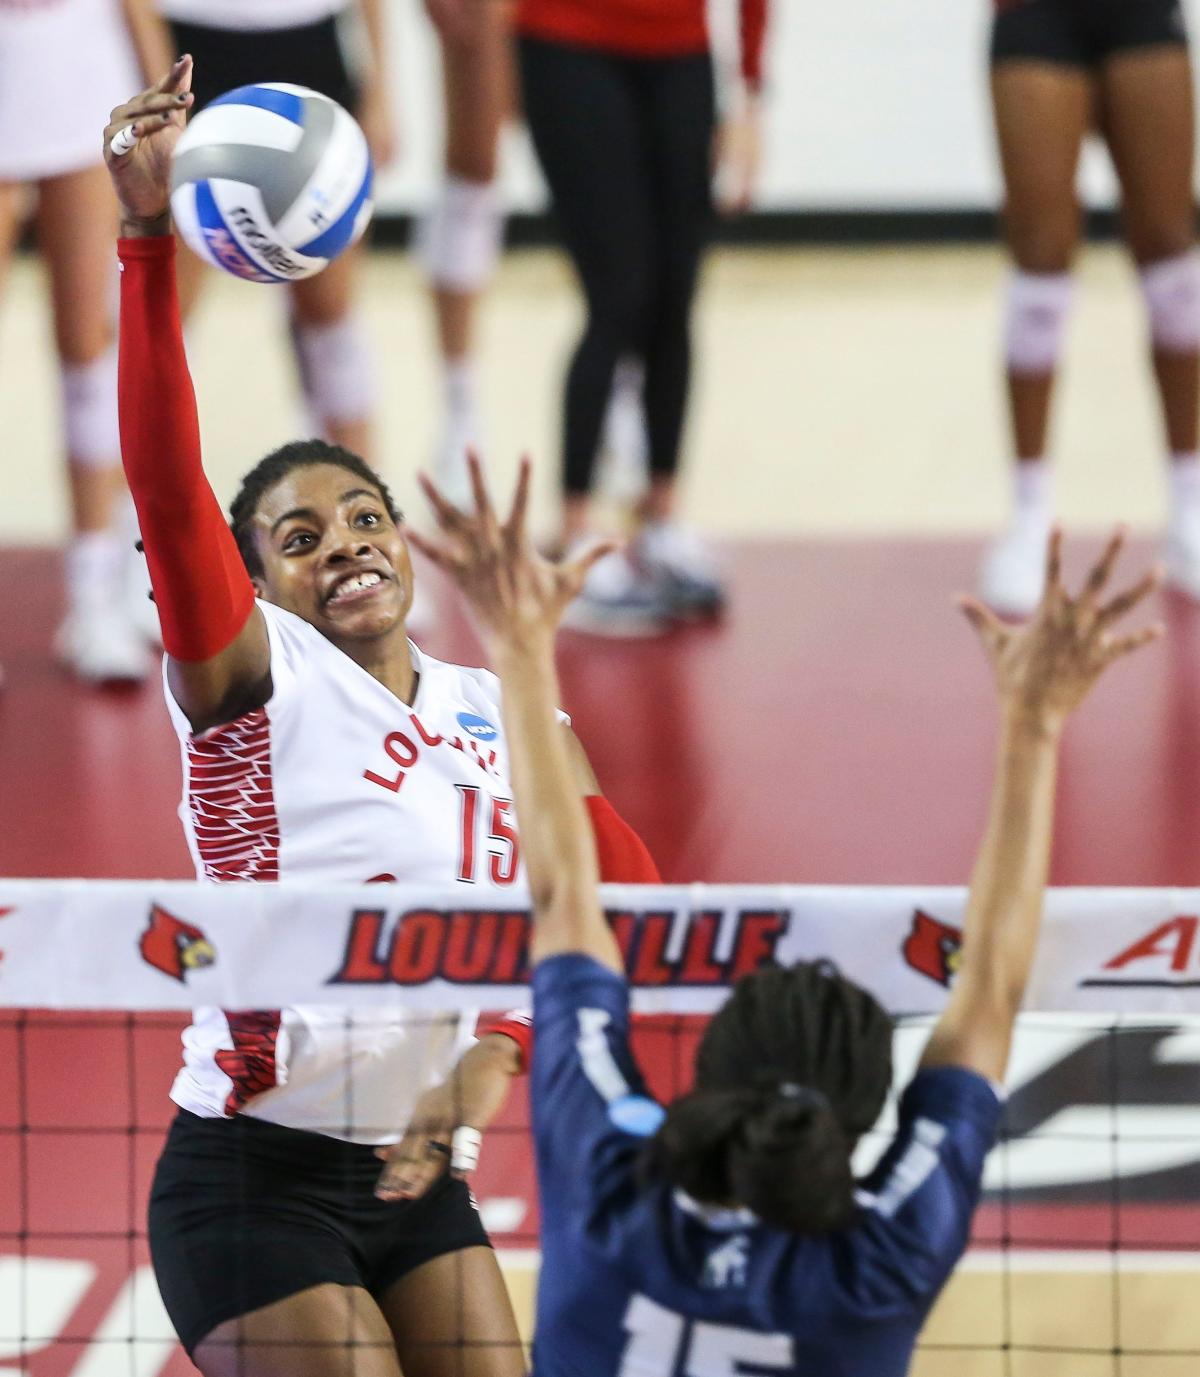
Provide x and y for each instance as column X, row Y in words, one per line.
column 836, row 728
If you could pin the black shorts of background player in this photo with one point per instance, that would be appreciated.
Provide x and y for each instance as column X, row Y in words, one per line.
column 1059, row 70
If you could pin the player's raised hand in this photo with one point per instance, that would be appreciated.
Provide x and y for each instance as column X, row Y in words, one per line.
column 1045, row 667
column 518, row 596
column 139, row 140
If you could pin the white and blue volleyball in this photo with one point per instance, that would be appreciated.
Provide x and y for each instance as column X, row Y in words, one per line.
column 271, row 182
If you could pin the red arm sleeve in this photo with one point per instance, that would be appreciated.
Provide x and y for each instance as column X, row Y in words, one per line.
column 753, row 29
column 624, row 859
column 201, row 588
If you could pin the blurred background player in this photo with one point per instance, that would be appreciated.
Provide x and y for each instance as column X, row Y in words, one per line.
column 737, row 1236
column 238, row 42
column 621, row 105
column 49, row 146
column 1061, row 68
column 459, row 236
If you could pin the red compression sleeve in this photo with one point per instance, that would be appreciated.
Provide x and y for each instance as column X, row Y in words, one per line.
column 624, row 859
column 623, row 855
column 201, row 588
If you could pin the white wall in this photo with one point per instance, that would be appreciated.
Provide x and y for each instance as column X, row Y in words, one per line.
column 873, row 104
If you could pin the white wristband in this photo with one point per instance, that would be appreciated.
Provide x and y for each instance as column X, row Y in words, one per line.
column 464, row 1148
column 123, row 141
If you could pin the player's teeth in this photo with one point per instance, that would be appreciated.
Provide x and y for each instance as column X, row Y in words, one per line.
column 352, row 585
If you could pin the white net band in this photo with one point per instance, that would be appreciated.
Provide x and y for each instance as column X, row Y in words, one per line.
column 167, row 945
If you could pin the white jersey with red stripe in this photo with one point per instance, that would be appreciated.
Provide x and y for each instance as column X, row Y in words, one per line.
column 82, row 52
column 335, row 780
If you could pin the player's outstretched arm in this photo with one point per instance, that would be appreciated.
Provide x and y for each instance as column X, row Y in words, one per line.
column 518, row 600
column 1043, row 671
column 216, row 639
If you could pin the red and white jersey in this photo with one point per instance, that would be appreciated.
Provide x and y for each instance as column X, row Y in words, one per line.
column 80, row 49
column 335, row 780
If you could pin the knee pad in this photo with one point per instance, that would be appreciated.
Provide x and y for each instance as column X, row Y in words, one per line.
column 337, row 370
column 458, row 238
column 89, row 408
column 1038, row 305
column 1171, row 288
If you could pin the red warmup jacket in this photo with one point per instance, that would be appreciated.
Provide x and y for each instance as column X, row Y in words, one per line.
column 642, row 28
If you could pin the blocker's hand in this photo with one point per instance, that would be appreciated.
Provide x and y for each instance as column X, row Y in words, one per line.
column 155, row 121
column 1045, row 668
column 517, row 595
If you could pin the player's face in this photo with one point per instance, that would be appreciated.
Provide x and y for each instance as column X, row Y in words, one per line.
column 332, row 555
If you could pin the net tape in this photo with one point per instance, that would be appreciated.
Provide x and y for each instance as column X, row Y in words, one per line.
column 177, row 944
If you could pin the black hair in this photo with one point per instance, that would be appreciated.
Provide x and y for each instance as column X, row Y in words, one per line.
column 791, row 1071
column 299, row 454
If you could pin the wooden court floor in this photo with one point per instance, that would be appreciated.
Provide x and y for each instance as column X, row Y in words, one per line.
column 846, row 451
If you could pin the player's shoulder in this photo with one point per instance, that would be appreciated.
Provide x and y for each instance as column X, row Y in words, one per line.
column 950, row 1094
column 470, row 680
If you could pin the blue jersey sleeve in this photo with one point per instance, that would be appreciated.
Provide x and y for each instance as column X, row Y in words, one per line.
column 590, row 1108
column 916, row 1206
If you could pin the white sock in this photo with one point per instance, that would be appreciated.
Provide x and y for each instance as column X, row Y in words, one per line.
column 458, row 376
column 93, row 563
column 1184, row 478
column 1032, row 496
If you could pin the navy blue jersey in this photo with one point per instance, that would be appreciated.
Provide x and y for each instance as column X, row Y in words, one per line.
column 639, row 1281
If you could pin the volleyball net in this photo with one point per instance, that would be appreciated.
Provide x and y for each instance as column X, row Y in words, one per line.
column 1085, row 1255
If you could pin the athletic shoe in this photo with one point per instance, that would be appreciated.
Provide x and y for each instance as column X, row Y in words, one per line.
column 619, row 599
column 100, row 644
column 1013, row 573
column 1182, row 554
column 678, row 557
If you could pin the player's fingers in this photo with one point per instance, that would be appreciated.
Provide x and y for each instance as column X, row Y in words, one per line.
column 449, row 518
column 1126, row 645
column 1054, row 563
column 1116, row 608
column 1101, row 571
column 400, row 1167
column 440, row 555
column 514, row 527
column 411, row 1167
column 990, row 629
column 178, row 78
column 479, row 490
column 575, row 572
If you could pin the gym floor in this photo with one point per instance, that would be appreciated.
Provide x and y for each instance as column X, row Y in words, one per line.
column 846, row 451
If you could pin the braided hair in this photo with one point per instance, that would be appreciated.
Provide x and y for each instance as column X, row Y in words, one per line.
column 791, row 1071
column 298, row 454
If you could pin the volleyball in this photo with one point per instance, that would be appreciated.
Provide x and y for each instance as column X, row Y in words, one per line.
column 271, row 182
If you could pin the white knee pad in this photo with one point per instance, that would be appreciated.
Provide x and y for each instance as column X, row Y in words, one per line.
column 337, row 369
column 1038, row 305
column 89, row 405
column 459, row 236
column 1172, row 291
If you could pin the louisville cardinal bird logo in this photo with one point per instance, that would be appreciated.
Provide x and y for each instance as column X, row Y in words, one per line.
column 933, row 948
column 173, row 946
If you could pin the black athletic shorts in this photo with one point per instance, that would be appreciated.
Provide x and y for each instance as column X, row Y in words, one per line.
column 244, row 1213
column 1083, row 33
column 225, row 58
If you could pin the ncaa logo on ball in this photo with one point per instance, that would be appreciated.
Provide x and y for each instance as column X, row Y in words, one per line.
column 478, row 727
